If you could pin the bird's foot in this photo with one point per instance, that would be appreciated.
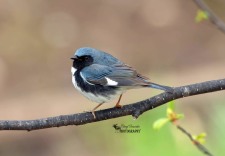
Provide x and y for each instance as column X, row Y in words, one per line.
column 118, row 105
column 90, row 111
column 118, row 102
column 93, row 113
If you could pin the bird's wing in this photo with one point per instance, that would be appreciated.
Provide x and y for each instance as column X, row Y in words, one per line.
column 116, row 75
column 95, row 74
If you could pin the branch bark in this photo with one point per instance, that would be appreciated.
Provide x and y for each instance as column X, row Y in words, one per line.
column 135, row 109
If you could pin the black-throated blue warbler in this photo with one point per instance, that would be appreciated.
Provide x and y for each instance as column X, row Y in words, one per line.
column 101, row 77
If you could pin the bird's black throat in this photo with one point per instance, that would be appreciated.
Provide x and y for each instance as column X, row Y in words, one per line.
column 81, row 62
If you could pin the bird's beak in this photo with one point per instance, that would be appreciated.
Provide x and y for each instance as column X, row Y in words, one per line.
column 74, row 57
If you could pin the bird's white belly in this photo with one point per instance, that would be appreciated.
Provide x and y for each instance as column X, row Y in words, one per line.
column 93, row 97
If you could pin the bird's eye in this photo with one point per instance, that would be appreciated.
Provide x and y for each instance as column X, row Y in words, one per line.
column 86, row 58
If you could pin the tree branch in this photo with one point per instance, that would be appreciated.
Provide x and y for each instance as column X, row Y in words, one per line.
column 134, row 109
column 212, row 16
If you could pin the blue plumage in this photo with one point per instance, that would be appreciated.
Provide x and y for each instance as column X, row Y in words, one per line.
column 101, row 77
column 99, row 57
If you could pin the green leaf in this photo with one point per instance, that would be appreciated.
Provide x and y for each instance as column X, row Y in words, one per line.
column 180, row 116
column 201, row 15
column 158, row 124
column 170, row 109
column 171, row 105
column 200, row 138
column 169, row 112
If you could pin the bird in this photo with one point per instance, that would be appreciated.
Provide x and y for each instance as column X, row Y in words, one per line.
column 101, row 77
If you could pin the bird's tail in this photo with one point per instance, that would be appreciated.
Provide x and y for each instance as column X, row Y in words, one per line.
column 161, row 87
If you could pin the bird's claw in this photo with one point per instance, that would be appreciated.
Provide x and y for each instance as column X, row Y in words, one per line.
column 90, row 111
column 118, row 105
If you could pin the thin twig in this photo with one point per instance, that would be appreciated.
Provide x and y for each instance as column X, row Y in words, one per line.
column 196, row 143
column 135, row 109
column 212, row 16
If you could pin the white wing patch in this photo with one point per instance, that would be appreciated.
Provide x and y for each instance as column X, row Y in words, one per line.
column 111, row 82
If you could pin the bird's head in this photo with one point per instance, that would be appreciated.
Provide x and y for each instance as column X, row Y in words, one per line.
column 86, row 56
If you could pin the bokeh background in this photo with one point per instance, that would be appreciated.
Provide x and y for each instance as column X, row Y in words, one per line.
column 159, row 38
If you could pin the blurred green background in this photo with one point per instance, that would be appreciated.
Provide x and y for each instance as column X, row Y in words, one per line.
column 159, row 38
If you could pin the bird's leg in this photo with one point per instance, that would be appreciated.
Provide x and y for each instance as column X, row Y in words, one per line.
column 93, row 110
column 118, row 102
